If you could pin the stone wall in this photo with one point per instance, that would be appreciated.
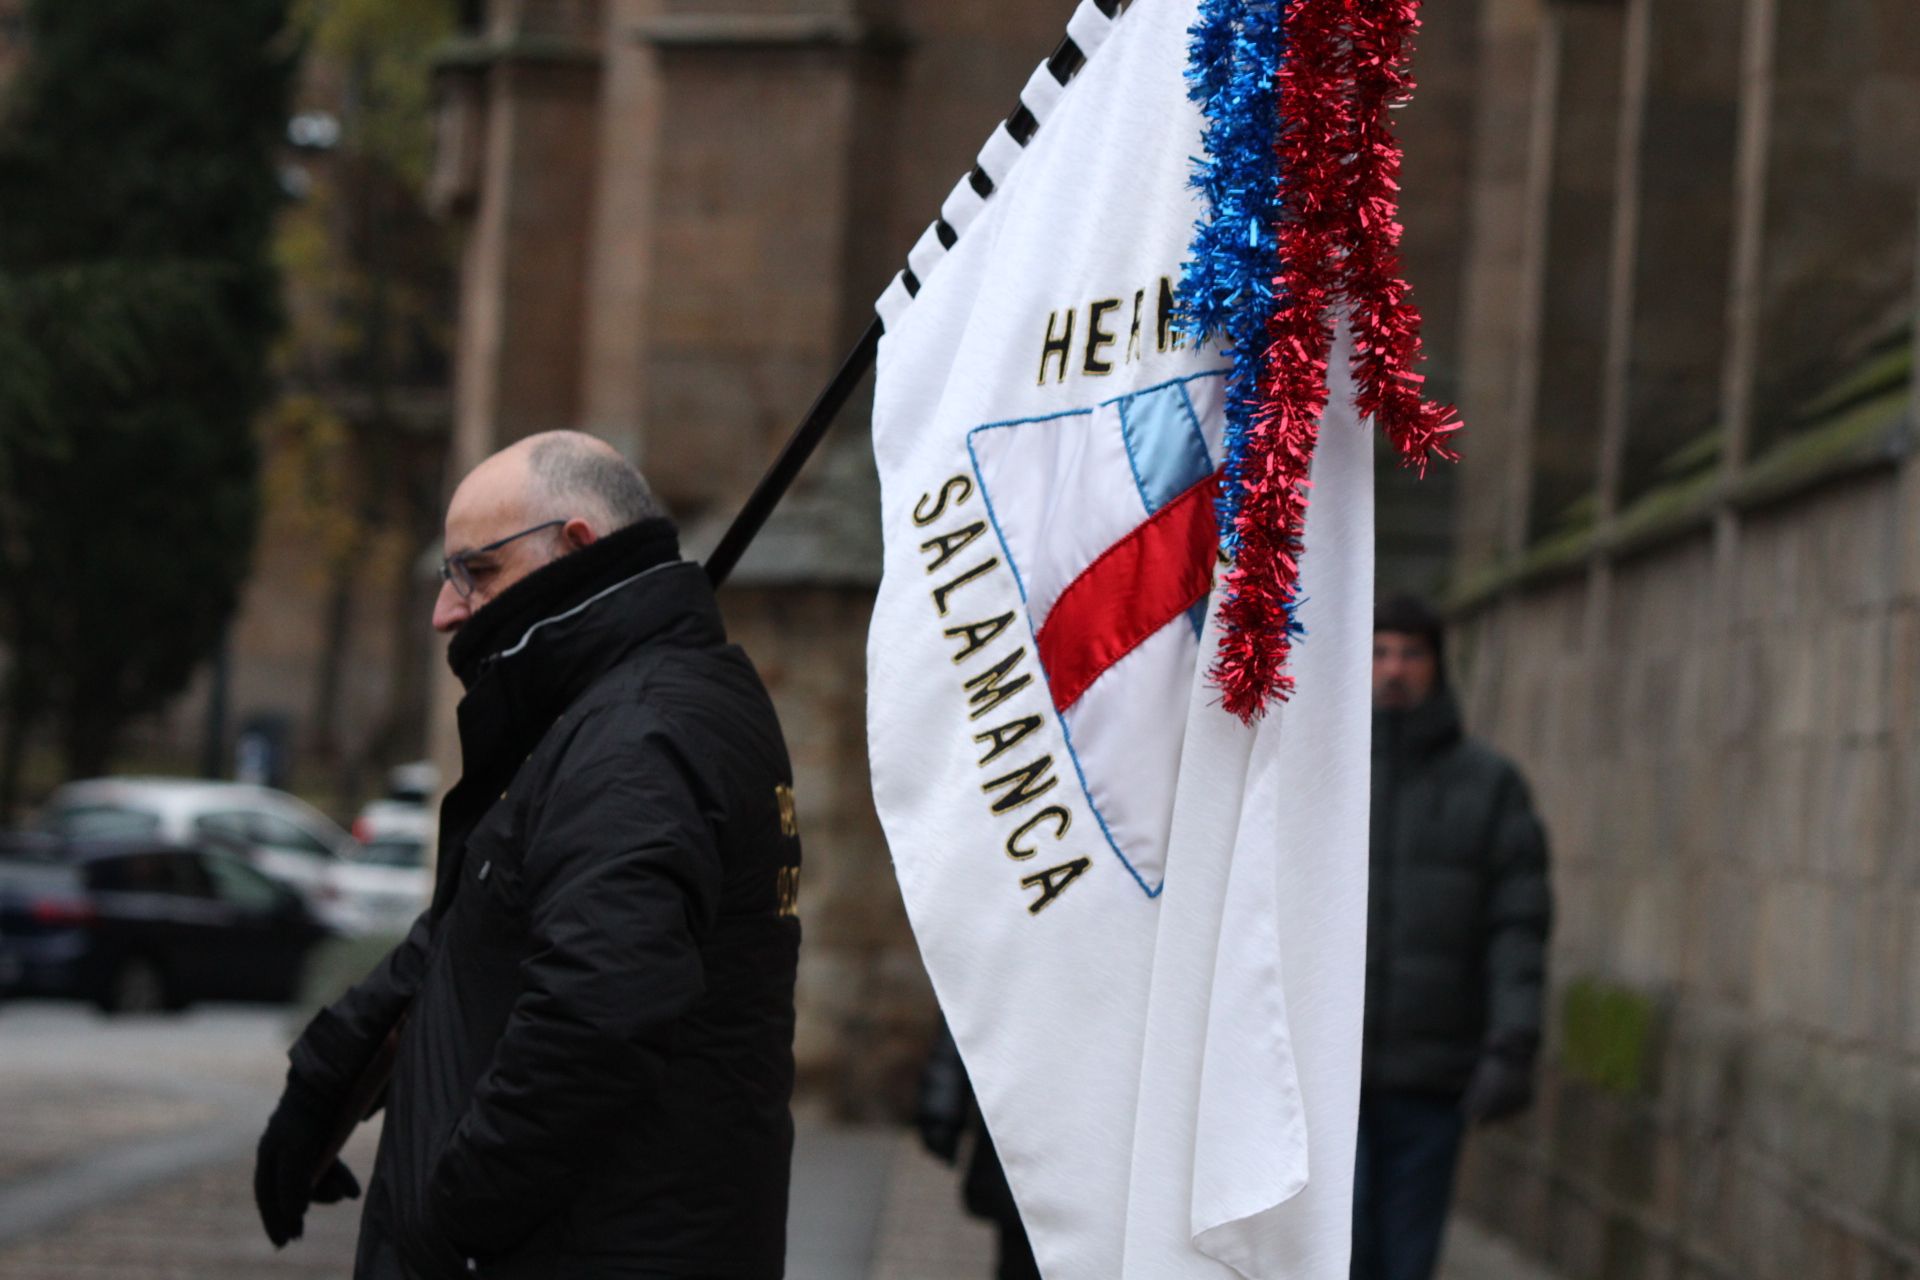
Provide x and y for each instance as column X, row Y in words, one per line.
column 1688, row 591
column 1725, row 769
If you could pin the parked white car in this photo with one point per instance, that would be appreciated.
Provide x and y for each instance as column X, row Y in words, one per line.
column 388, row 883
column 281, row 835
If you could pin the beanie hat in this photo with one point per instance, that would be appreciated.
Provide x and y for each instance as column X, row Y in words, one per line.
column 1410, row 615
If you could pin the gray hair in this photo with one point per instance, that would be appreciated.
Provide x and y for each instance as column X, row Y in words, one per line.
column 579, row 476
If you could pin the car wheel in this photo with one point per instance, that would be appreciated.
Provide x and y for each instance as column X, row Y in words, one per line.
column 137, row 987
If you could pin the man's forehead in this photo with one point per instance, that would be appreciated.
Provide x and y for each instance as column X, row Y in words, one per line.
column 1402, row 637
column 490, row 503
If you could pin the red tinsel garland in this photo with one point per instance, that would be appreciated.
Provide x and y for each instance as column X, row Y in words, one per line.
column 1345, row 67
column 1386, row 325
column 1261, row 585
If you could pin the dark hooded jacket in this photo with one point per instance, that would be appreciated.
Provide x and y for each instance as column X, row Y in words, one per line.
column 596, row 1060
column 1458, row 906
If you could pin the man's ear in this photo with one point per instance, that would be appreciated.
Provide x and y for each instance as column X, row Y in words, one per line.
column 578, row 534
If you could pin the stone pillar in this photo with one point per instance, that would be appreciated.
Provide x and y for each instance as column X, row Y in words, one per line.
column 620, row 249
column 1565, row 408
column 1414, row 514
column 746, row 312
column 519, row 100
column 1838, row 249
column 13, row 49
column 1675, row 230
column 1752, row 152
column 1516, row 63
column 535, row 85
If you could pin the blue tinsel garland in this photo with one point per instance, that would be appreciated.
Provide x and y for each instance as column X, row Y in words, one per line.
column 1227, row 289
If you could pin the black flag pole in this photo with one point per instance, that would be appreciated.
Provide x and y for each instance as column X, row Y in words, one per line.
column 1065, row 63
column 785, row 470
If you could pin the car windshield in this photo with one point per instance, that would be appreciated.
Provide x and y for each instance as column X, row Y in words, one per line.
column 395, row 851
column 102, row 822
column 259, row 830
column 236, row 882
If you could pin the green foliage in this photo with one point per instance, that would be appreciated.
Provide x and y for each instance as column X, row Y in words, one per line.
column 138, row 303
column 387, row 48
column 1609, row 1036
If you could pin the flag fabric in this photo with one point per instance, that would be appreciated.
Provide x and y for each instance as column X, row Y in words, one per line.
column 1143, row 917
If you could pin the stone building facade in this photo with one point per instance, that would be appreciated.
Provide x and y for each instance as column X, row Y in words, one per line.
column 1666, row 249
column 1688, row 590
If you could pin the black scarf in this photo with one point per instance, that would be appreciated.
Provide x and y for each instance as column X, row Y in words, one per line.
column 554, row 588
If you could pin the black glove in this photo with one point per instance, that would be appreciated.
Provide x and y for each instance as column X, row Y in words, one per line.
column 941, row 1140
column 1502, row 1084
column 940, row 1112
column 283, row 1181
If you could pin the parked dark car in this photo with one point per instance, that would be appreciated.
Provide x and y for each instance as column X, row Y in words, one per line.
column 139, row 926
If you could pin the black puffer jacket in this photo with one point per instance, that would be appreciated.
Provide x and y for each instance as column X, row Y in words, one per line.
column 1458, row 908
column 596, row 1063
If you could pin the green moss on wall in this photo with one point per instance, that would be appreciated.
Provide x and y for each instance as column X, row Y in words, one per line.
column 1609, row 1035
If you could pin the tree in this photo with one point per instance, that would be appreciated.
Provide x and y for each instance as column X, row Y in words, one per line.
column 138, row 305
column 354, row 460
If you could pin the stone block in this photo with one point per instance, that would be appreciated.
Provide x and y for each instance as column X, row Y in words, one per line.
column 1849, row 543
column 1723, row 926
column 1580, row 926
column 1862, row 1153
column 1906, row 974
column 1883, row 971
column 1902, row 691
column 1907, row 533
column 1700, row 832
column 1774, row 784
column 827, row 997
column 1626, row 1251
column 1899, row 1202
column 1647, row 935
column 1788, row 1237
column 1743, row 695
column 1865, row 653
column 1887, row 111
column 1793, row 943
column 1769, row 570
column 1870, row 529
column 1850, row 811
column 1578, row 1233
column 1692, row 693
column 1733, row 797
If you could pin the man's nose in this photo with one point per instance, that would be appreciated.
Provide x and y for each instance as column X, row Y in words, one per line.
column 449, row 610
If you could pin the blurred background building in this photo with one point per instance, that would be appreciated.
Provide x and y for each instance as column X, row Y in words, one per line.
column 1667, row 254
column 1687, row 572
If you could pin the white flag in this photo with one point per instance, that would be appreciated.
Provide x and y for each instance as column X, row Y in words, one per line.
column 1144, row 921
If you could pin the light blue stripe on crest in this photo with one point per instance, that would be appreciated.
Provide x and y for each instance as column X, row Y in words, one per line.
column 1164, row 443
column 1168, row 453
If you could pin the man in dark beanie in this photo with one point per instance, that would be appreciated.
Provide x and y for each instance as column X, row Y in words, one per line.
column 595, row 1053
column 1457, row 921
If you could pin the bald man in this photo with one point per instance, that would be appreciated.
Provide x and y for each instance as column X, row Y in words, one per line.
column 595, row 1058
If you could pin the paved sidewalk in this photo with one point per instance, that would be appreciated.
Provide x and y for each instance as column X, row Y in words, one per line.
column 126, row 1154
column 868, row 1205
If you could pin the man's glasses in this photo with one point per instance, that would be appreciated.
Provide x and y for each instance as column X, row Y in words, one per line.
column 458, row 568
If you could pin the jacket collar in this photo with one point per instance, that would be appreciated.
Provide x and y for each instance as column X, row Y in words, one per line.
column 508, row 621
column 1426, row 730
column 541, row 643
